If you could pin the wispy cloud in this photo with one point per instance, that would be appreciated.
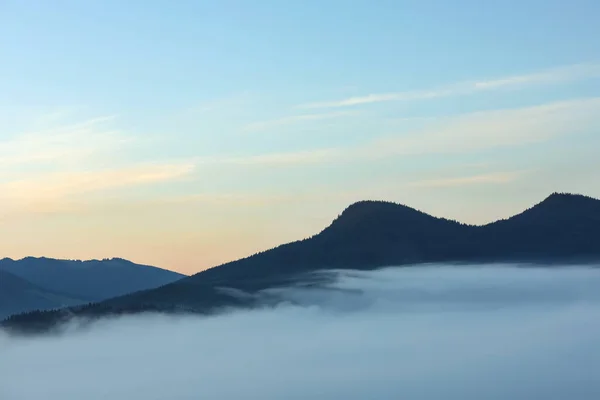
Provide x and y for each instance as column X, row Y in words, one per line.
column 547, row 77
column 55, row 115
column 220, row 105
column 552, row 76
column 50, row 191
column 238, row 199
column 471, row 132
column 63, row 165
column 274, row 159
column 62, row 144
column 383, row 97
column 457, row 134
column 274, row 123
column 491, row 178
column 492, row 129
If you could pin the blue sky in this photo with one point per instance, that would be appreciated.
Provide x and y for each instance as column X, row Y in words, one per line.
column 188, row 133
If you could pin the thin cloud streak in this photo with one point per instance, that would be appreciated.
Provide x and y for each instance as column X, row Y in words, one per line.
column 552, row 76
column 491, row 129
column 52, row 191
column 55, row 115
column 62, row 144
column 264, row 125
column 236, row 199
column 384, row 97
column 260, row 199
column 491, row 178
column 274, row 159
column 457, row 134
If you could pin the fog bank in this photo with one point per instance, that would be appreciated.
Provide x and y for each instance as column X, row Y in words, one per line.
column 434, row 332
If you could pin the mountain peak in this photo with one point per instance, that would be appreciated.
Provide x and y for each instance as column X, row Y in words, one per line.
column 368, row 212
column 568, row 201
column 556, row 196
column 370, row 206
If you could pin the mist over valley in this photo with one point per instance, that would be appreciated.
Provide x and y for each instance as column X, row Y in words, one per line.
column 492, row 331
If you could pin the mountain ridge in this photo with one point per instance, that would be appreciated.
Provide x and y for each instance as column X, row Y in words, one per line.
column 56, row 283
column 371, row 234
column 91, row 280
column 18, row 295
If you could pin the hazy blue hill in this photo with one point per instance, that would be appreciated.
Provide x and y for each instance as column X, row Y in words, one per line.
column 371, row 234
column 89, row 280
column 17, row 296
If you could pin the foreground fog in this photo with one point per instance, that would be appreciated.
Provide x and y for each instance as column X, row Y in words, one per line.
column 492, row 332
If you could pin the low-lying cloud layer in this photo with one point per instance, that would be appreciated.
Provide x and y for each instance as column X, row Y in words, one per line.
column 436, row 332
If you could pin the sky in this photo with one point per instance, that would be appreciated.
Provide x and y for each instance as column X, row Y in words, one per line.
column 186, row 134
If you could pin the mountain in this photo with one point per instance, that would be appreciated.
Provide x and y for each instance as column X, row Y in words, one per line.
column 369, row 234
column 17, row 296
column 32, row 284
column 92, row 280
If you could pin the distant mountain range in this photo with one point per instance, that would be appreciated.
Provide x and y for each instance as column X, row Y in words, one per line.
column 18, row 295
column 563, row 228
column 44, row 283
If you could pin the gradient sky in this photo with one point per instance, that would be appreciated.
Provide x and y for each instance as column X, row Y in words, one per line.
column 187, row 133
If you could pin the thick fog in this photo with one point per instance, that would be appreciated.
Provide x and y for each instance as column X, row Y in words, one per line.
column 435, row 332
